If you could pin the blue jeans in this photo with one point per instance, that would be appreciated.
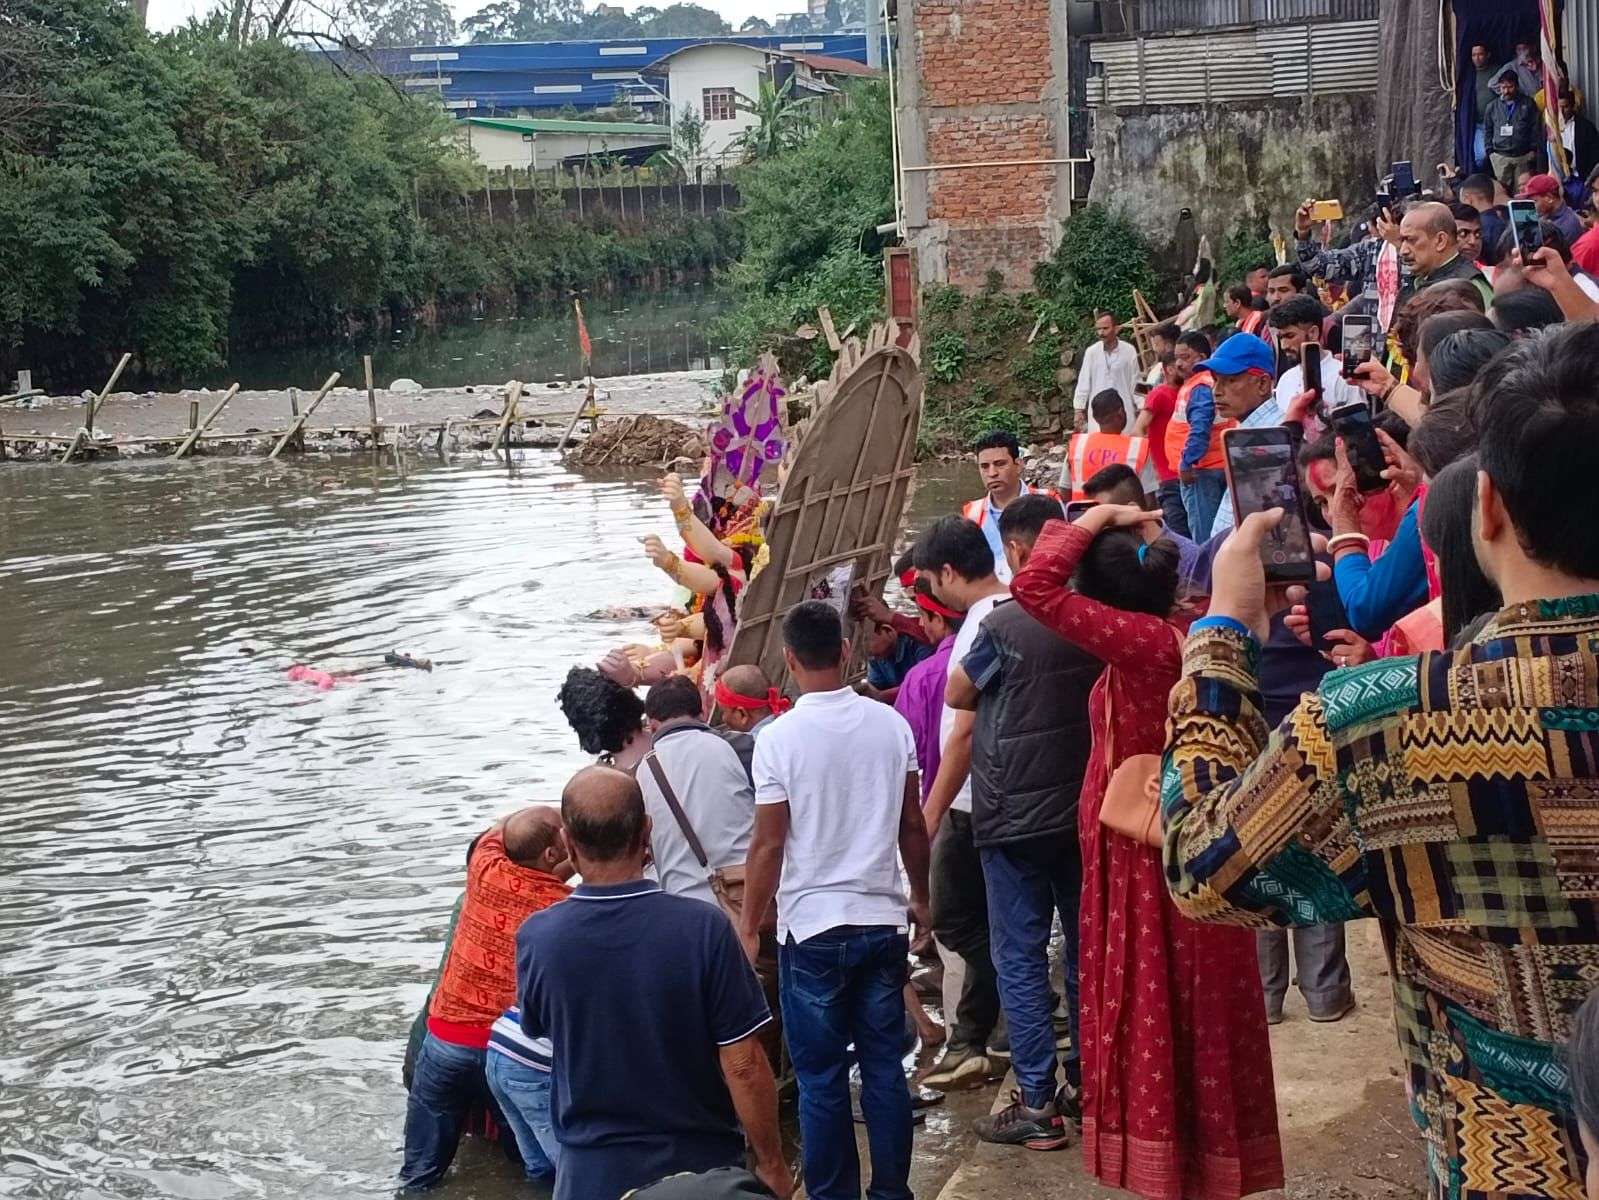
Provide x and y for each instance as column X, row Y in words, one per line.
column 1170, row 495
column 842, row 986
column 447, row 1082
column 1028, row 883
column 523, row 1093
column 1201, row 499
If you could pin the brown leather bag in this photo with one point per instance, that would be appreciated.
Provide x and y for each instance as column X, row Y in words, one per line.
column 1132, row 797
column 727, row 883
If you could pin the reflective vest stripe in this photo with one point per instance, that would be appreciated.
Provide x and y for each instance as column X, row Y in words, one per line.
column 1177, row 430
column 1093, row 452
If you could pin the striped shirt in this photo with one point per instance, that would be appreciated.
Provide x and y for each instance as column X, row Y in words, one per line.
column 506, row 1037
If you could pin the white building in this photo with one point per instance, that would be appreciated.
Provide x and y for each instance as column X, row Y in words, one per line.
column 500, row 142
column 712, row 79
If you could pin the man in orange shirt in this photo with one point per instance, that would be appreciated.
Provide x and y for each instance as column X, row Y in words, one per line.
column 513, row 871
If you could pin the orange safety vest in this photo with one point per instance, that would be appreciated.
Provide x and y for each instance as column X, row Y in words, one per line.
column 977, row 510
column 1177, row 430
column 1255, row 322
column 1090, row 453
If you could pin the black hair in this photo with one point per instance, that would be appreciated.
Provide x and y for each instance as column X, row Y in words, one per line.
column 1106, row 403
column 1394, row 426
column 1323, row 448
column 1482, row 185
column 1464, row 212
column 923, row 588
column 1444, row 433
column 1298, row 310
column 608, row 829
column 814, row 634
column 1582, row 1062
column 1446, row 528
column 1457, row 360
column 715, row 636
column 1118, row 479
column 1524, row 310
column 1537, row 410
column 1241, row 293
column 1440, row 325
column 904, row 562
column 602, row 712
column 675, row 696
column 998, row 439
column 1024, row 518
column 1166, row 331
column 1261, row 265
column 1203, row 271
column 956, row 543
column 1120, row 570
column 1292, row 271
column 1197, row 342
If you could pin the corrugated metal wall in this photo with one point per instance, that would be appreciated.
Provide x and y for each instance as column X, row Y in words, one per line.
column 1278, row 60
column 1150, row 16
column 1582, row 51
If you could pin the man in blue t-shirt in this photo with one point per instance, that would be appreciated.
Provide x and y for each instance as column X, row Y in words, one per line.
column 652, row 1012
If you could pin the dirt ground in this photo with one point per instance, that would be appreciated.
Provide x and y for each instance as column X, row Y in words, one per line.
column 1345, row 1129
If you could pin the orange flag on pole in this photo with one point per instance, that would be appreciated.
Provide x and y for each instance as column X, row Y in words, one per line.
column 583, row 341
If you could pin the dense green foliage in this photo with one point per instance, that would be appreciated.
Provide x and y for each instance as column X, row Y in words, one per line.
column 810, row 215
column 162, row 194
column 1243, row 248
column 565, row 20
column 1101, row 258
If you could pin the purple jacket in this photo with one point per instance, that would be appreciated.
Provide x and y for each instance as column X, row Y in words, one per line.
column 921, row 702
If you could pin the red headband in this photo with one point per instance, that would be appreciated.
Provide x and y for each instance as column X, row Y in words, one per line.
column 773, row 700
column 907, row 577
column 928, row 604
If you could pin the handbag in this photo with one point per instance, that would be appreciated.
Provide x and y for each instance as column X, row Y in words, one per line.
column 727, row 883
column 1132, row 797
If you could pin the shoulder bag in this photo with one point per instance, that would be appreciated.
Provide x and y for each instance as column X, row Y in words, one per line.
column 1132, row 797
column 727, row 883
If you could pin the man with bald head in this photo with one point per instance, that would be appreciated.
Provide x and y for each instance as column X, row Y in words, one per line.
column 1429, row 245
column 512, row 871
column 652, row 1013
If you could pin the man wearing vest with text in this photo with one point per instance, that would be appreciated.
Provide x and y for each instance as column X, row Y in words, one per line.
column 1089, row 453
column 999, row 462
column 1193, row 438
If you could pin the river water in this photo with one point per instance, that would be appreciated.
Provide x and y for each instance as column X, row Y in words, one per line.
column 224, row 893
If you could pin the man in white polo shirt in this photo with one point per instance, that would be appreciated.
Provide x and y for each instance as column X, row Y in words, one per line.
column 837, row 806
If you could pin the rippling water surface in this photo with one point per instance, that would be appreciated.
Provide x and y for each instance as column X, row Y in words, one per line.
column 221, row 893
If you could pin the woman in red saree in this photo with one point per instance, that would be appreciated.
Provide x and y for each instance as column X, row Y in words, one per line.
column 1178, row 1096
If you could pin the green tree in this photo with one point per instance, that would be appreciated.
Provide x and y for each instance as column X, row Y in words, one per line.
column 780, row 119
column 756, row 25
column 405, row 22
column 683, row 20
column 832, row 16
column 688, row 135
column 526, row 20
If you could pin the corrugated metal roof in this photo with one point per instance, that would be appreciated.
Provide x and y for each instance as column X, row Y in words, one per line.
column 1234, row 64
column 598, row 128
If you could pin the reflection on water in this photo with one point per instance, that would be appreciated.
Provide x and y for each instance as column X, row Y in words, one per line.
column 224, row 892
column 634, row 333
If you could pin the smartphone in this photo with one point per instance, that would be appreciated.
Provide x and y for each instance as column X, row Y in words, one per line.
column 1262, row 475
column 1404, row 178
column 1076, row 508
column 1524, row 227
column 1326, row 612
column 1353, row 423
column 1359, row 340
column 1327, row 210
column 1310, row 373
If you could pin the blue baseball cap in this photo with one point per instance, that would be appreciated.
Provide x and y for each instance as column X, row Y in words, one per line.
column 1239, row 354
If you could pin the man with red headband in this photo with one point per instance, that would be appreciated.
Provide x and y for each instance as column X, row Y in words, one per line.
column 747, row 700
column 921, row 696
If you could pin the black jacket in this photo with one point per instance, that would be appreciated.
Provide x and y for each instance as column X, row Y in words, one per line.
column 1031, row 739
column 1526, row 127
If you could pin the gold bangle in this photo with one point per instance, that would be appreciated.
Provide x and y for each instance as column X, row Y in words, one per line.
column 1339, row 540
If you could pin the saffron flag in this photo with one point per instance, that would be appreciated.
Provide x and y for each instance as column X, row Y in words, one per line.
column 583, row 341
column 1553, row 81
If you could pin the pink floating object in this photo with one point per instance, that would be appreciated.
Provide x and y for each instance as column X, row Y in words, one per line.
column 300, row 673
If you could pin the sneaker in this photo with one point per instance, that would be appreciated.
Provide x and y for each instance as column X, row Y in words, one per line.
column 1069, row 1104
column 960, row 1066
column 1017, row 1125
column 999, row 1043
column 1336, row 1013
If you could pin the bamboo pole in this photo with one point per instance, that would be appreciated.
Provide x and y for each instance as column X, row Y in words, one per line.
column 576, row 417
column 302, row 418
column 94, row 405
column 371, row 401
column 506, row 417
column 194, row 413
column 194, row 435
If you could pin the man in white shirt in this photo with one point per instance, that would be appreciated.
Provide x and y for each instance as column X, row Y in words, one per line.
column 1162, row 341
column 952, row 558
column 1298, row 320
column 1108, row 363
column 836, row 795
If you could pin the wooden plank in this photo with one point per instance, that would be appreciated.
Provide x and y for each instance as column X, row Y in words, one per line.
column 94, row 405
column 512, row 397
column 833, row 342
column 302, row 418
column 371, row 401
column 194, row 435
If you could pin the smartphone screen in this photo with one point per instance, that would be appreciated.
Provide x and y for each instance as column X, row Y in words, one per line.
column 1524, row 227
column 1353, row 423
column 1077, row 508
column 1404, row 178
column 1310, row 371
column 1326, row 612
column 1261, row 475
column 1385, row 205
column 1360, row 342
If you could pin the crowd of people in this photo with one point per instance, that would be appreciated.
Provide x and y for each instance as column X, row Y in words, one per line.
column 1106, row 781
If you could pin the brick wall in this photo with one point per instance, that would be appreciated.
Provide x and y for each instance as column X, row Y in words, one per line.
column 980, row 87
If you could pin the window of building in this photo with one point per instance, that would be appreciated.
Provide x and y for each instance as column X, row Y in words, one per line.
column 719, row 105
